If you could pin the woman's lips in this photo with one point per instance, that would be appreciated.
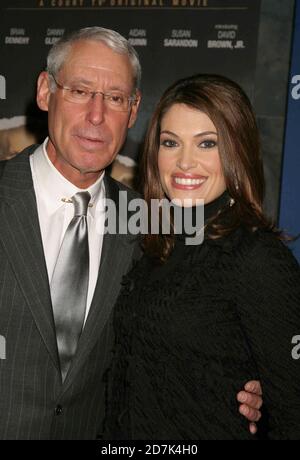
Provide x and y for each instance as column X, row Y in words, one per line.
column 187, row 182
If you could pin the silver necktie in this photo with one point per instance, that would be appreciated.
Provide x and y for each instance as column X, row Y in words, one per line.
column 69, row 284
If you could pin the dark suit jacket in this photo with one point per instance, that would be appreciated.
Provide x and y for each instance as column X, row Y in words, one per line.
column 34, row 404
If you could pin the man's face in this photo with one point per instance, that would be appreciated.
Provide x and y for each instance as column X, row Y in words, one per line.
column 85, row 138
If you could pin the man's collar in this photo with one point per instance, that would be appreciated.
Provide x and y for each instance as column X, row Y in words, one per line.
column 53, row 186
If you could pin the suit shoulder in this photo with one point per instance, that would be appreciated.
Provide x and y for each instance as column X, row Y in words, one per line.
column 2, row 167
column 122, row 188
column 17, row 170
column 19, row 159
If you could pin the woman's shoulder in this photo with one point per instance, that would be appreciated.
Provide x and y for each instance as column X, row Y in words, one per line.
column 260, row 255
column 257, row 249
column 263, row 245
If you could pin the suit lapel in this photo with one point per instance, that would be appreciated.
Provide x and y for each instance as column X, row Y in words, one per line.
column 116, row 256
column 21, row 239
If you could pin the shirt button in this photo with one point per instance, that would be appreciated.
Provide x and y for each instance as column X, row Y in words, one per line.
column 58, row 410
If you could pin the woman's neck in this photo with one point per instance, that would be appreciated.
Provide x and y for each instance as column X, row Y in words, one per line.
column 190, row 220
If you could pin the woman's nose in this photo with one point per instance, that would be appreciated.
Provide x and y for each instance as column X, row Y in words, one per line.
column 186, row 160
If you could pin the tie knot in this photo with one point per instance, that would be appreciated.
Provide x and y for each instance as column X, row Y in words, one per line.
column 81, row 201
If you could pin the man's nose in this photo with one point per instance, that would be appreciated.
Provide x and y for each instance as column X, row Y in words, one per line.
column 96, row 109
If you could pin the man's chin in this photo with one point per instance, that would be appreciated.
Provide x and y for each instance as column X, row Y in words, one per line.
column 90, row 162
column 90, row 170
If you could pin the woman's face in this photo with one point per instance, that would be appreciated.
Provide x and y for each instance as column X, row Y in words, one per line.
column 188, row 157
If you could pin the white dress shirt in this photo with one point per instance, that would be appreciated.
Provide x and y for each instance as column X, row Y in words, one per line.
column 51, row 188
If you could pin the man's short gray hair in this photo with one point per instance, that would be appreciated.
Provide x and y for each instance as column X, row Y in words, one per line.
column 59, row 52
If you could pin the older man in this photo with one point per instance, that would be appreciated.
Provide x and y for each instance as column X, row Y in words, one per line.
column 59, row 276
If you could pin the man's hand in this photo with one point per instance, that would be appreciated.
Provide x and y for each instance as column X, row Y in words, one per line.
column 251, row 401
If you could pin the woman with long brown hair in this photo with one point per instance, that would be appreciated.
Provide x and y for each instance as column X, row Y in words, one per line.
column 195, row 322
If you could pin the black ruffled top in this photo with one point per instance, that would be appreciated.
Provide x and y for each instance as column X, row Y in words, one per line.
column 189, row 335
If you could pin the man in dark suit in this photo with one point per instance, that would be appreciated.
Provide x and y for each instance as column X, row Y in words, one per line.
column 58, row 329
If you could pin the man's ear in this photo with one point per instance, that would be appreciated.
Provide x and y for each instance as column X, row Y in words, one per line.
column 43, row 91
column 134, row 109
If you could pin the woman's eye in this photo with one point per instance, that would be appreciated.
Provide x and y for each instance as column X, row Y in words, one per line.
column 168, row 143
column 208, row 144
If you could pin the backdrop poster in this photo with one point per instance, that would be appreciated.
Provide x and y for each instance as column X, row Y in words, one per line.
column 290, row 191
column 174, row 38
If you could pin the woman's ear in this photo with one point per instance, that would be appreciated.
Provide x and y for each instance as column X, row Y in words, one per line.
column 43, row 91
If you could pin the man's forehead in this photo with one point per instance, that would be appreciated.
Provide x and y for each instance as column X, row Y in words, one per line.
column 97, row 61
column 82, row 66
column 96, row 54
